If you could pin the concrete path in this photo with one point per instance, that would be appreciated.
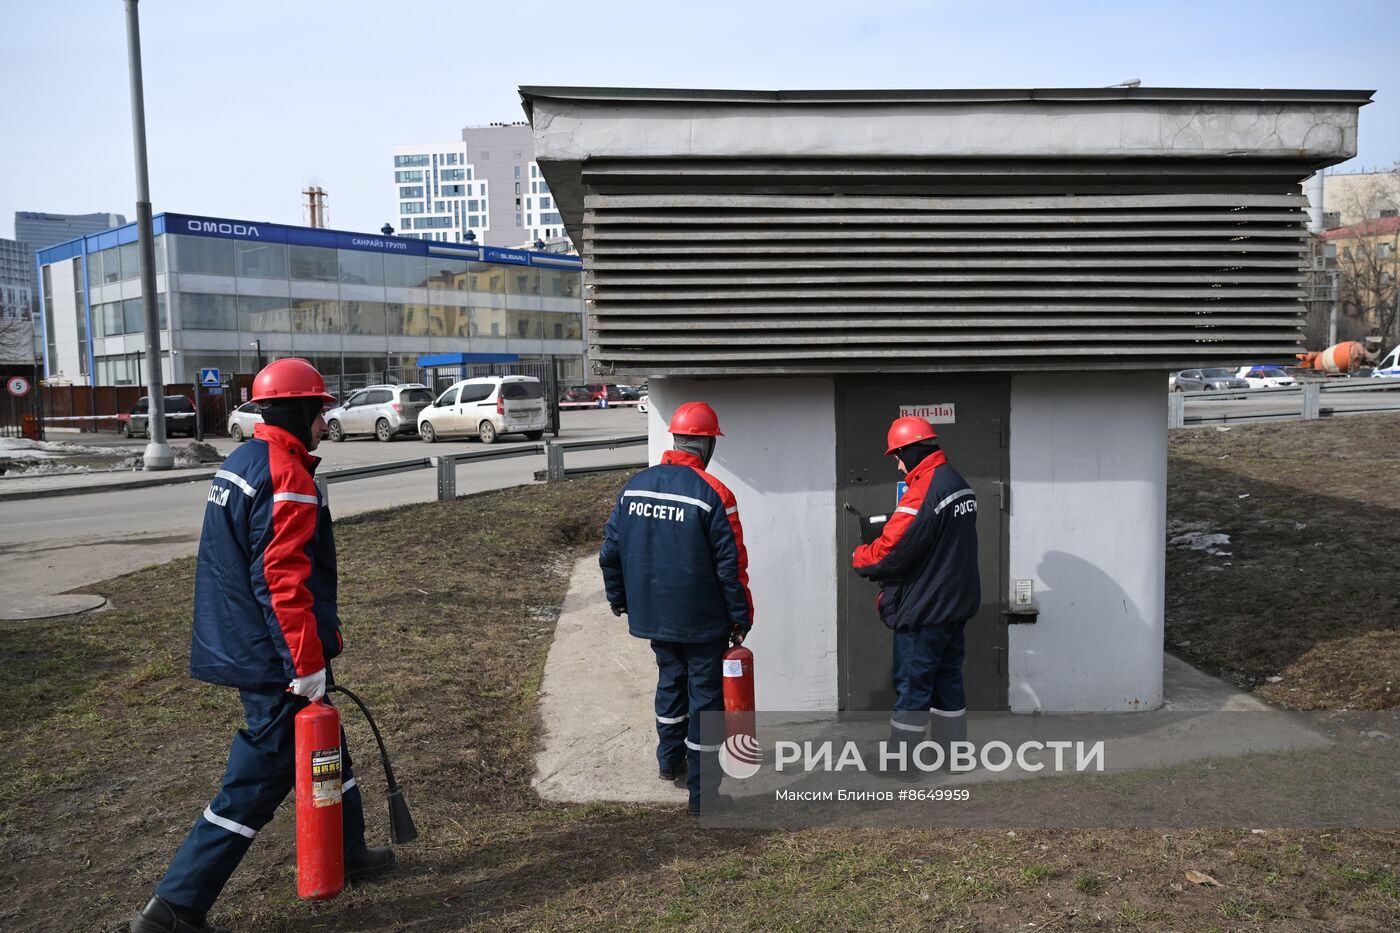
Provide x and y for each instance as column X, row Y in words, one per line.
column 600, row 731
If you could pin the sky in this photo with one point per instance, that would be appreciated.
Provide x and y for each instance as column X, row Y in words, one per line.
column 249, row 101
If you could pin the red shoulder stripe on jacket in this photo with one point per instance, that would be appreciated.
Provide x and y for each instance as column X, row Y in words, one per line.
column 731, row 509
column 286, row 565
column 868, row 555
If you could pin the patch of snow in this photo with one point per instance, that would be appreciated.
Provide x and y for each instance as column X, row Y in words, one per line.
column 1197, row 536
column 22, row 448
column 34, row 467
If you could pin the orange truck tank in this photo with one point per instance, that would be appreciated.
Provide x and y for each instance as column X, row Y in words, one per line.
column 1341, row 357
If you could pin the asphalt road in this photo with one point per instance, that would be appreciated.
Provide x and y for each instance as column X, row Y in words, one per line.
column 52, row 545
column 1274, row 404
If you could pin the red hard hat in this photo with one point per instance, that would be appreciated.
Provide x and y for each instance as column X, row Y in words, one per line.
column 695, row 419
column 907, row 431
column 289, row 378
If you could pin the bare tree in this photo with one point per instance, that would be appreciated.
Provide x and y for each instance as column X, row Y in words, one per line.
column 16, row 338
column 1366, row 263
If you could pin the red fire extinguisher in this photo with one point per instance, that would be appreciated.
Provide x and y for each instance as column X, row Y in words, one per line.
column 320, row 852
column 738, row 692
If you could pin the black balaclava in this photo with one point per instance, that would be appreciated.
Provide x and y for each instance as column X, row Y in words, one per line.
column 293, row 415
column 701, row 446
column 911, row 455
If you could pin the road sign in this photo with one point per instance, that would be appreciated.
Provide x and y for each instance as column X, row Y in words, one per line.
column 209, row 377
column 17, row 385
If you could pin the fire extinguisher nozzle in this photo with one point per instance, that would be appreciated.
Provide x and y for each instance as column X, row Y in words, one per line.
column 401, row 828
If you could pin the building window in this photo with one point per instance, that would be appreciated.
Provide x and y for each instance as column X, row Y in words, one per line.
column 402, row 177
column 207, row 255
column 314, row 263
column 453, row 191
column 411, row 191
column 551, row 218
column 452, row 174
column 409, row 160
column 359, row 267
column 545, row 204
column 441, row 206
column 208, row 312
column 261, row 260
column 517, row 175
column 411, row 207
column 517, row 219
column 544, row 186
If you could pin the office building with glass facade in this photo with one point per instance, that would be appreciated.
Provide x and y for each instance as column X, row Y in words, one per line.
column 361, row 307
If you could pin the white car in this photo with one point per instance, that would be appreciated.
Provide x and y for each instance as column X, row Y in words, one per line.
column 487, row 407
column 242, row 420
column 1265, row 377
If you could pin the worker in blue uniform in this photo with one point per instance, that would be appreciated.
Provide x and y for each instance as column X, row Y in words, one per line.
column 265, row 622
column 926, row 563
column 673, row 560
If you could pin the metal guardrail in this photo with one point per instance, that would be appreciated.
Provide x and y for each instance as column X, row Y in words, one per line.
column 1309, row 404
column 446, row 464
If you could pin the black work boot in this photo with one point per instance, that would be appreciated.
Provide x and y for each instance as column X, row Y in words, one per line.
column 161, row 916
column 671, row 772
column 371, row 863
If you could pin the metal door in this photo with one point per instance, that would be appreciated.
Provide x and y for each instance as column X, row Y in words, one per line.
column 975, row 441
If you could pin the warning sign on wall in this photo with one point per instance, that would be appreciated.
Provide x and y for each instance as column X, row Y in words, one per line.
column 934, row 412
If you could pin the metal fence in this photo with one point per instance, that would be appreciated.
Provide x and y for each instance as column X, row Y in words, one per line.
column 1305, row 401
column 447, row 464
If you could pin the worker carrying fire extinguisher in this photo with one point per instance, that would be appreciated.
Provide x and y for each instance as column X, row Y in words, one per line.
column 265, row 622
column 673, row 560
column 926, row 563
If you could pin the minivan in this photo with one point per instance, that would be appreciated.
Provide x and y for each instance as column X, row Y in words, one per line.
column 487, row 407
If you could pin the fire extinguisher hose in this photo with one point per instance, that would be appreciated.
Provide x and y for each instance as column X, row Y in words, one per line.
column 401, row 827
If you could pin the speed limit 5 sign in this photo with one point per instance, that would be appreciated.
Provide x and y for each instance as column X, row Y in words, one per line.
column 17, row 385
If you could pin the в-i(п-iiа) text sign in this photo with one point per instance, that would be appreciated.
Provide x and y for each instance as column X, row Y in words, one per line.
column 934, row 413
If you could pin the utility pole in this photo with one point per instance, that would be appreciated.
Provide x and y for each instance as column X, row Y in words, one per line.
column 158, row 454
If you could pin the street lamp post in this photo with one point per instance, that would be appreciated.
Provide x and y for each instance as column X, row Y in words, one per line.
column 257, row 351
column 158, row 454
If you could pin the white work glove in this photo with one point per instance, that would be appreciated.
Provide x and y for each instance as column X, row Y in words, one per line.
column 312, row 686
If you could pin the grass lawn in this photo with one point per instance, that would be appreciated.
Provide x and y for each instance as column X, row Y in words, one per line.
column 449, row 612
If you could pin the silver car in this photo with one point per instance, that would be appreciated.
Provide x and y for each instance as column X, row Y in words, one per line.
column 1199, row 380
column 383, row 411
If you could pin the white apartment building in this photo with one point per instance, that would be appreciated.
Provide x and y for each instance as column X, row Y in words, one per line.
column 487, row 185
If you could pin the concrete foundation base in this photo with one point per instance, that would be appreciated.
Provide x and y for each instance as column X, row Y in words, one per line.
column 600, row 730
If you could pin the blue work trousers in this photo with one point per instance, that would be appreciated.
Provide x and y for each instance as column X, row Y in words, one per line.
column 690, row 682
column 927, row 676
column 261, row 771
